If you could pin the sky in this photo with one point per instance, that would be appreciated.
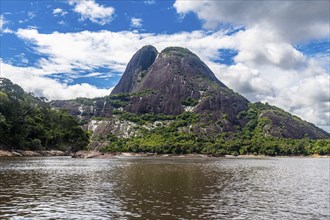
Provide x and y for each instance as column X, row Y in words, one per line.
column 269, row 51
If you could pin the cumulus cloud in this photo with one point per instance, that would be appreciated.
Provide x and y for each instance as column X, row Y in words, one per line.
column 258, row 47
column 89, row 9
column 110, row 49
column 292, row 20
column 273, row 71
column 305, row 93
column 91, row 49
column 59, row 11
column 31, row 79
column 136, row 22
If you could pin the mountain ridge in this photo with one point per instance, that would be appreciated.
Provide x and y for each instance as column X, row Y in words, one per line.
column 171, row 102
column 176, row 81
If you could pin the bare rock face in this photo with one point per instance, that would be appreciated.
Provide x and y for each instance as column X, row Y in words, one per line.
column 284, row 125
column 178, row 81
column 85, row 109
column 139, row 63
column 175, row 81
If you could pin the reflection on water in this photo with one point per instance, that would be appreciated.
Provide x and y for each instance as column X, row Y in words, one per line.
column 164, row 188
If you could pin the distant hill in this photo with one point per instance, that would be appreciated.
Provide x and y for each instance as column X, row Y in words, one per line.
column 172, row 102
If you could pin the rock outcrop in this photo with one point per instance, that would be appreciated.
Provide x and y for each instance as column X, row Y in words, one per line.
column 135, row 69
column 176, row 81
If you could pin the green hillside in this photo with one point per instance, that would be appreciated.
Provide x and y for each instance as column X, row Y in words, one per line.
column 28, row 123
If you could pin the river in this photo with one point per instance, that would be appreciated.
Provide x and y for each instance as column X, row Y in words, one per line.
column 164, row 188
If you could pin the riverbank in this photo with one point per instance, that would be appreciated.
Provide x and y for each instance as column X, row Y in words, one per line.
column 26, row 153
column 102, row 155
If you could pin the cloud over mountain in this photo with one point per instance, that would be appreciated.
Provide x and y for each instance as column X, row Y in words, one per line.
column 292, row 20
column 271, row 51
column 273, row 71
column 268, row 65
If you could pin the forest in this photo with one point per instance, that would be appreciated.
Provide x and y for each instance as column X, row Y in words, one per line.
column 172, row 139
column 29, row 123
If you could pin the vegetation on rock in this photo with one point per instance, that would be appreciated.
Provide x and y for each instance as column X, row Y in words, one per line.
column 189, row 102
column 173, row 138
column 172, row 102
column 177, row 51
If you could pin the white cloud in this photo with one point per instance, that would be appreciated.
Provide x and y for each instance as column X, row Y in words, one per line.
column 31, row 80
column 305, row 93
column 89, row 9
column 136, row 22
column 8, row 31
column 149, row 2
column 59, row 11
column 258, row 47
column 292, row 20
column 31, row 14
column 110, row 49
column 63, row 23
column 2, row 22
column 266, row 69
column 4, row 30
column 21, row 58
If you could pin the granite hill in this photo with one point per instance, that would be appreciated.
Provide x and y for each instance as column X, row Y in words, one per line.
column 175, row 92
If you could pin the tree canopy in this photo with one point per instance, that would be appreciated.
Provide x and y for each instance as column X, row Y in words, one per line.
column 28, row 123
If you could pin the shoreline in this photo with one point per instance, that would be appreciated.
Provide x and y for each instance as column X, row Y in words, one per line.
column 118, row 155
column 28, row 153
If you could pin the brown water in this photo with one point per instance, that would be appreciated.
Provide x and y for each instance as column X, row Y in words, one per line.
column 164, row 188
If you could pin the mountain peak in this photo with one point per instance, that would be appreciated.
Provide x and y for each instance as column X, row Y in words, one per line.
column 147, row 69
column 140, row 62
column 177, row 51
column 176, row 80
column 175, row 85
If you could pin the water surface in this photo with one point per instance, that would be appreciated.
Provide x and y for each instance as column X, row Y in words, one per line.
column 164, row 188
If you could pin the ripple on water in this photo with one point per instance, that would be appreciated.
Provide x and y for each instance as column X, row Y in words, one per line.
column 164, row 188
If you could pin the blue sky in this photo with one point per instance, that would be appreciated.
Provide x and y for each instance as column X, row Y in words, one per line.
column 270, row 51
column 50, row 16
